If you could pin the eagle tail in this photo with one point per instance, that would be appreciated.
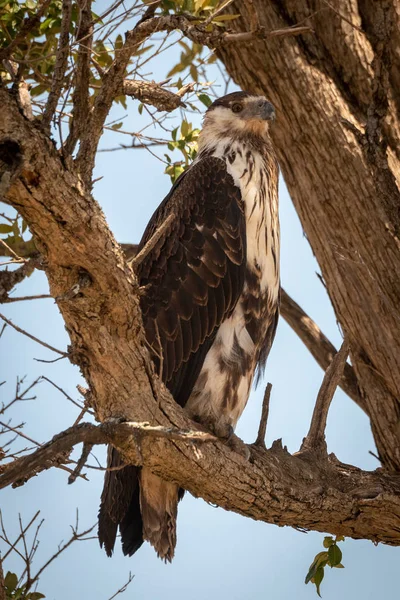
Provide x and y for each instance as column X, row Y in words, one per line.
column 120, row 506
column 159, row 508
column 141, row 505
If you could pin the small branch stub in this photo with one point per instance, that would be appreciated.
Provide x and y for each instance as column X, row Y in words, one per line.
column 260, row 441
column 315, row 439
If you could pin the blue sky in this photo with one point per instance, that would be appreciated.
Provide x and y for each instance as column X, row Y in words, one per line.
column 219, row 554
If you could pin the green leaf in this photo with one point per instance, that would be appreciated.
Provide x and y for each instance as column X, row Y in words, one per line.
column 140, row 108
column 339, row 538
column 5, row 228
column 185, row 128
column 334, row 555
column 35, row 596
column 320, row 560
column 206, row 100
column 193, row 73
column 339, row 566
column 328, row 541
column 10, row 582
column 221, row 18
column 116, row 126
column 318, row 577
column 119, row 42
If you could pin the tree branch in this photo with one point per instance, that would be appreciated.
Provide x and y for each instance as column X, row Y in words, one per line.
column 318, row 344
column 154, row 94
column 80, row 97
column 324, row 495
column 60, row 66
column 315, row 439
column 108, row 344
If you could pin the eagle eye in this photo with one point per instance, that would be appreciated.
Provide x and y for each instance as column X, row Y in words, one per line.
column 237, row 107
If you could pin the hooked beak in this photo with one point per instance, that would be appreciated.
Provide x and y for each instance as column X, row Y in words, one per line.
column 267, row 111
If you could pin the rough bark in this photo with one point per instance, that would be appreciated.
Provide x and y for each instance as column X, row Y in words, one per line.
column 336, row 94
column 98, row 297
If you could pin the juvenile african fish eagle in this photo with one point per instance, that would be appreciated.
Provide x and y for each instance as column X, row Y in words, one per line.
column 211, row 300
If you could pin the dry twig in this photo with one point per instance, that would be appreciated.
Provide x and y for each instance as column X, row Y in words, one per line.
column 260, row 441
column 315, row 439
column 32, row 337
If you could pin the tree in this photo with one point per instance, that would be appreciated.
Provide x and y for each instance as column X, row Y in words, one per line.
column 337, row 117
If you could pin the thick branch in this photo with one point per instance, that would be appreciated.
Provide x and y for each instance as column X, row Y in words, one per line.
column 81, row 100
column 61, row 64
column 323, row 495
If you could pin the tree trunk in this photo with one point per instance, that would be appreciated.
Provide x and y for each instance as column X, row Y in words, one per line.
column 336, row 92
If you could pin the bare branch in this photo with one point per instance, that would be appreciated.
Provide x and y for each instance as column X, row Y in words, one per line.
column 260, row 441
column 3, row 595
column 60, row 66
column 138, row 259
column 23, row 532
column 9, row 279
column 32, row 337
column 86, row 450
column 315, row 439
column 154, row 94
column 319, row 345
column 76, row 536
column 123, row 588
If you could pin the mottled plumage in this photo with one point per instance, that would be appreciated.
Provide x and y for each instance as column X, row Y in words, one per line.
column 210, row 306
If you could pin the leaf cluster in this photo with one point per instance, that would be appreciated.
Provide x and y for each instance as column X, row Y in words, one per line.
column 331, row 557
column 13, row 592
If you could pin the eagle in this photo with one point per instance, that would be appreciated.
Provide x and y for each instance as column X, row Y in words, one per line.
column 210, row 303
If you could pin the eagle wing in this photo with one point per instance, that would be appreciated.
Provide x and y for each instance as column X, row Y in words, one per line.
column 193, row 277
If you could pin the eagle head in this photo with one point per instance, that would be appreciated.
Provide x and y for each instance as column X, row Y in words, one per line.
column 237, row 114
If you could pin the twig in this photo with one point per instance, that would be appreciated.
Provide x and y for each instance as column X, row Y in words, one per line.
column 86, row 450
column 11, row 251
column 75, row 537
column 32, row 337
column 319, row 345
column 151, row 243
column 315, row 439
column 124, row 587
column 21, row 298
column 3, row 595
column 260, row 441
column 60, row 66
column 44, row 378
column 12, row 546
column 218, row 11
column 27, row 26
column 9, row 279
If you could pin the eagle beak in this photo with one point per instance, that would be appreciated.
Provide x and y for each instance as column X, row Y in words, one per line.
column 267, row 111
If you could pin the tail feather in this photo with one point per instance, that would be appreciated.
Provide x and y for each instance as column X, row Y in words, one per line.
column 119, row 499
column 142, row 505
column 159, row 508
